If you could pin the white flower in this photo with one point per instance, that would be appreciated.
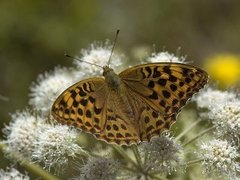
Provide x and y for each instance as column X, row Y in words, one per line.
column 55, row 145
column 30, row 136
column 161, row 154
column 97, row 54
column 226, row 117
column 165, row 57
column 208, row 97
column 48, row 88
column 99, row 168
column 12, row 174
column 219, row 158
column 21, row 133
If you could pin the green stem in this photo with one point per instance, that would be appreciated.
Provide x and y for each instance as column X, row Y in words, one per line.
column 196, row 161
column 188, row 129
column 37, row 170
column 124, row 155
column 137, row 155
column 33, row 168
column 155, row 176
column 129, row 168
column 197, row 136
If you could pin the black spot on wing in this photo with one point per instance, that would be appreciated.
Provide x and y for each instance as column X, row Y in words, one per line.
column 156, row 73
column 166, row 94
column 148, row 69
column 162, row 82
column 153, row 95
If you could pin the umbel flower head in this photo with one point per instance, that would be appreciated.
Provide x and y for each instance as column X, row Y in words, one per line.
column 226, row 118
column 99, row 168
column 48, row 87
column 209, row 97
column 30, row 136
column 161, row 154
column 12, row 174
column 97, row 54
column 55, row 145
column 21, row 133
column 219, row 157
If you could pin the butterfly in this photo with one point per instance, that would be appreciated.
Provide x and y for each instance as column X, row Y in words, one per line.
column 127, row 108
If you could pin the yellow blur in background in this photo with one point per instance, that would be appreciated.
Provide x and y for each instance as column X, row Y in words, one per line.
column 224, row 69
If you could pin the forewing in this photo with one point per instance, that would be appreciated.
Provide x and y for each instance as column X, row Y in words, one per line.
column 92, row 107
column 166, row 87
column 82, row 105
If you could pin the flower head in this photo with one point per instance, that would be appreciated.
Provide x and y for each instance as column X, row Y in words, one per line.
column 226, row 117
column 55, row 145
column 161, row 154
column 209, row 97
column 48, row 88
column 12, row 174
column 219, row 157
column 22, row 134
column 97, row 54
column 100, row 168
column 165, row 57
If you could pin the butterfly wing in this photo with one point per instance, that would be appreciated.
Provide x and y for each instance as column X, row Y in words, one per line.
column 149, row 121
column 120, row 128
column 82, row 105
column 91, row 106
column 164, row 88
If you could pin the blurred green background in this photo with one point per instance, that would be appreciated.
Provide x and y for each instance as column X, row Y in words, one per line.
column 35, row 34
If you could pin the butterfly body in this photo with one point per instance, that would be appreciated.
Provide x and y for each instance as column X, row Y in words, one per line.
column 117, row 90
column 130, row 107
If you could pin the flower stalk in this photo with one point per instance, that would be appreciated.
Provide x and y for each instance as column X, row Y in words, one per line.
column 198, row 136
column 188, row 129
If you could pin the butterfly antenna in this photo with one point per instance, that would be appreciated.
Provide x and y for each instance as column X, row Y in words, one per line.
column 69, row 56
column 115, row 40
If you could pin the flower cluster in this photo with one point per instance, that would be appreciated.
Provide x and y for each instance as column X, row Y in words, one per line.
column 209, row 97
column 226, row 118
column 161, row 154
column 98, row 54
column 22, row 133
column 100, row 168
column 55, row 145
column 220, row 157
column 223, row 110
column 48, row 87
column 30, row 136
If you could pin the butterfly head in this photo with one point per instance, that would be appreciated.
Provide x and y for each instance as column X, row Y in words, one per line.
column 106, row 70
column 111, row 78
